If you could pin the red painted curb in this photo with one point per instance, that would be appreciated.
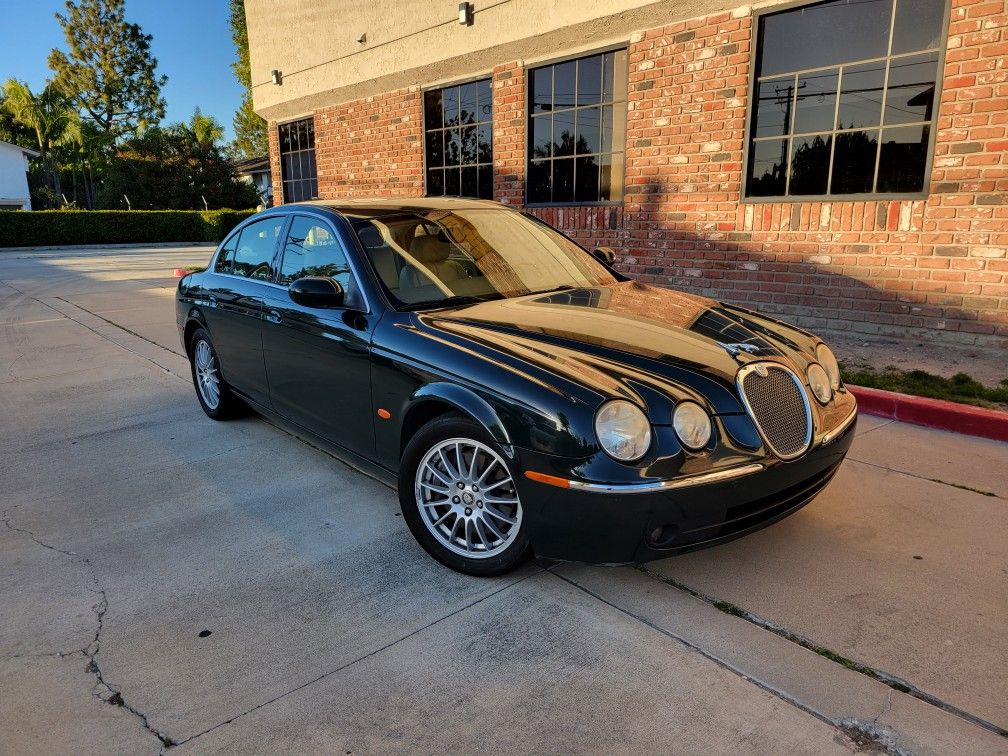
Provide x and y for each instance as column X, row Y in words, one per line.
column 179, row 272
column 933, row 413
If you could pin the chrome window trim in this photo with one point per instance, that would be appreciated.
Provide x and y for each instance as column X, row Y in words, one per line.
column 752, row 367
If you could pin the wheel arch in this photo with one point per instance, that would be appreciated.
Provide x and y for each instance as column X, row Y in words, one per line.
column 435, row 399
column 194, row 320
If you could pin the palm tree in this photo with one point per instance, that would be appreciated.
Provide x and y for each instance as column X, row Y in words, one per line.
column 49, row 114
column 204, row 130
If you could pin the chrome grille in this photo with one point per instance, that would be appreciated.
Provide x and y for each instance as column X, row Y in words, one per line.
column 778, row 404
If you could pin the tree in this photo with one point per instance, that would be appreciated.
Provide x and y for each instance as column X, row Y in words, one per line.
column 48, row 114
column 109, row 72
column 250, row 130
column 166, row 168
column 205, row 131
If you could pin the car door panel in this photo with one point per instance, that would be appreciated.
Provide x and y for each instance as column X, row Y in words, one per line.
column 318, row 359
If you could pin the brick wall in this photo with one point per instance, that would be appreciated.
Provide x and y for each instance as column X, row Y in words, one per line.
column 933, row 268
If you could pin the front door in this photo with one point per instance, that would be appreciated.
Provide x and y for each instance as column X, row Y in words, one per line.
column 244, row 268
column 318, row 360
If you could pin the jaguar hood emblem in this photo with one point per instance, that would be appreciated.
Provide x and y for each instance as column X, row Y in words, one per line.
column 736, row 349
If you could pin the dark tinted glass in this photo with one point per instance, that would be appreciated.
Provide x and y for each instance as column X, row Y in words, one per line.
column 225, row 258
column 538, row 185
column 312, row 249
column 810, row 157
column 903, row 158
column 824, row 34
column 775, row 99
column 433, row 113
column 910, row 96
column 435, row 183
column 542, row 136
column 918, row 25
column 459, row 136
column 861, row 95
column 486, row 182
column 766, row 168
column 586, row 180
column 589, row 83
column 815, row 101
column 297, row 160
column 563, row 180
column 467, row 102
column 542, row 89
column 854, row 162
column 254, row 255
column 450, row 101
column 588, row 120
column 582, row 114
column 563, row 84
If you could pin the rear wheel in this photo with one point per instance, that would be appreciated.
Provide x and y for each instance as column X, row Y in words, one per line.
column 214, row 395
column 458, row 497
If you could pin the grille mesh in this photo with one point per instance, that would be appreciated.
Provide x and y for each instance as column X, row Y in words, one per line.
column 779, row 408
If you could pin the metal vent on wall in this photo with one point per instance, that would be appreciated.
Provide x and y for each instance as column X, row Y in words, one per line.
column 778, row 404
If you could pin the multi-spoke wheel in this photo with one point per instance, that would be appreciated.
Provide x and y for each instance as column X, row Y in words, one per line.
column 214, row 396
column 459, row 498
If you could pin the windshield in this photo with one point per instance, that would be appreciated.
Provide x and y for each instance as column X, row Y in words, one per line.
column 442, row 257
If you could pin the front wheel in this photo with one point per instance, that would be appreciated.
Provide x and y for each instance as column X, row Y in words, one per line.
column 458, row 498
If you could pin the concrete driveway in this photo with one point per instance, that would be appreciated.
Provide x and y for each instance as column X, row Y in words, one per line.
column 171, row 583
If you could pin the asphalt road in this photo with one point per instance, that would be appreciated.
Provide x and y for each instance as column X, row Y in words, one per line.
column 171, row 583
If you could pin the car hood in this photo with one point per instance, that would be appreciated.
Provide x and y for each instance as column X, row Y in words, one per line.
column 631, row 339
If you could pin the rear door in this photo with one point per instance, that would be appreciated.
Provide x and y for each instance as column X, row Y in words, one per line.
column 244, row 270
column 318, row 360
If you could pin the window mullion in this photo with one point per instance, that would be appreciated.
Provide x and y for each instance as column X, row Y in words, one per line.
column 885, row 99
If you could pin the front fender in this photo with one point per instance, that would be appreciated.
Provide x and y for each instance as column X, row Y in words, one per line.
column 467, row 402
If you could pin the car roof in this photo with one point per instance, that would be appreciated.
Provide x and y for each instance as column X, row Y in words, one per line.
column 373, row 206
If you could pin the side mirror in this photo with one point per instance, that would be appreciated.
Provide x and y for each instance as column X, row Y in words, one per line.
column 317, row 291
column 605, row 255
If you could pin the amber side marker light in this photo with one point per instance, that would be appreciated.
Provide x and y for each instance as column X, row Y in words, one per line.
column 550, row 480
column 384, row 414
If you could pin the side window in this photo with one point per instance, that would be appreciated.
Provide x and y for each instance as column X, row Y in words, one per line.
column 225, row 258
column 253, row 257
column 312, row 249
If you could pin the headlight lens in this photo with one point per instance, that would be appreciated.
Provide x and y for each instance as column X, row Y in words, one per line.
column 692, row 425
column 623, row 430
column 819, row 382
column 829, row 362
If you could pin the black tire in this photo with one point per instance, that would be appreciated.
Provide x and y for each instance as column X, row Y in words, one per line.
column 516, row 550
column 228, row 405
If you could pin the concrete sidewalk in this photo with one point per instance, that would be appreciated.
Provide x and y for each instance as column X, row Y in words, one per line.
column 231, row 588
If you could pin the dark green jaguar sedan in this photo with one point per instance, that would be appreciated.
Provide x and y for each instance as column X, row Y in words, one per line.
column 524, row 396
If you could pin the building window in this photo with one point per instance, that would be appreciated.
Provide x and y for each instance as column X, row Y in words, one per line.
column 458, row 132
column 844, row 98
column 577, row 130
column 297, row 160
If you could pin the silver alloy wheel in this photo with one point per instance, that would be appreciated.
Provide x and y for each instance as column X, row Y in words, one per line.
column 206, row 374
column 467, row 498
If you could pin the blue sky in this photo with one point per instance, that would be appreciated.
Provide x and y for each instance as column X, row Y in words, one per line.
column 192, row 43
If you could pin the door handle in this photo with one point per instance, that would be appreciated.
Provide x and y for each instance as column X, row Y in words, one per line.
column 273, row 316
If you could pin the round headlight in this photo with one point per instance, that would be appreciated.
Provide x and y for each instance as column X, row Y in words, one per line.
column 819, row 382
column 623, row 430
column 829, row 362
column 692, row 425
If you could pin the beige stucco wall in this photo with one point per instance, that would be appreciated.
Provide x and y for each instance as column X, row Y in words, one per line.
column 314, row 42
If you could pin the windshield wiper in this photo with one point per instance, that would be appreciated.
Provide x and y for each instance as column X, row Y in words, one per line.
column 453, row 301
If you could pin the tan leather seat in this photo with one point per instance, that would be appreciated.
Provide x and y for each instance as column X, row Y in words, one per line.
column 433, row 254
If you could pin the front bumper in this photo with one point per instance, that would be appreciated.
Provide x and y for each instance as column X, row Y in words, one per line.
column 621, row 525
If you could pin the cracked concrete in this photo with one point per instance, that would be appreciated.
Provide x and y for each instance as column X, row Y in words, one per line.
column 133, row 525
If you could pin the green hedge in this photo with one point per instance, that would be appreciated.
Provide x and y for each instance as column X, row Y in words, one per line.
column 58, row 227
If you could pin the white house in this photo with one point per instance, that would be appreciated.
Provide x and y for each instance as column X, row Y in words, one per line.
column 256, row 171
column 14, row 176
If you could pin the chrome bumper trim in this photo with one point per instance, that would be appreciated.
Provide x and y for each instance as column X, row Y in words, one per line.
column 832, row 435
column 718, row 476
